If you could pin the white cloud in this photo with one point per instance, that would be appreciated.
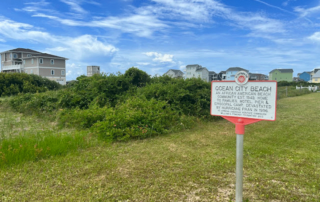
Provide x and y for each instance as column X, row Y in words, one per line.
column 158, row 57
column 276, row 7
column 315, row 37
column 75, row 6
column 76, row 47
column 75, row 69
column 286, row 3
column 206, row 10
column 140, row 25
column 308, row 11
column 143, row 63
column 41, row 3
column 164, row 14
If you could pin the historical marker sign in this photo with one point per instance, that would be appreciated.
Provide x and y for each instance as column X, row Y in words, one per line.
column 255, row 99
column 243, row 102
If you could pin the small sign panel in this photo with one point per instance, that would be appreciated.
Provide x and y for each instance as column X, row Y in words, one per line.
column 241, row 77
column 255, row 99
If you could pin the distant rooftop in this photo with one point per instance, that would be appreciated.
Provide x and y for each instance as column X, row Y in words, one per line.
column 237, row 69
column 22, row 50
column 283, row 70
column 176, row 71
column 33, row 52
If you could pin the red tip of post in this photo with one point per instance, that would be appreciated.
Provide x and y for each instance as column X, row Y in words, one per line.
column 240, row 127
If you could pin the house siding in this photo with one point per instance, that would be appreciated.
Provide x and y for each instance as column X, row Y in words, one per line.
column 315, row 80
column 190, row 72
column 278, row 76
column 171, row 74
column 205, row 75
column 7, row 56
column 31, row 71
column 47, row 72
column 57, row 63
column 231, row 73
column 18, row 54
column 7, row 63
column 28, row 62
column 305, row 76
column 26, row 54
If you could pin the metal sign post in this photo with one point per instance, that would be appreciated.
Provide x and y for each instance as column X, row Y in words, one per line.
column 239, row 168
column 243, row 102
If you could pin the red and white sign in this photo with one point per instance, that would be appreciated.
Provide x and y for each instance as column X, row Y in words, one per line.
column 241, row 77
column 253, row 99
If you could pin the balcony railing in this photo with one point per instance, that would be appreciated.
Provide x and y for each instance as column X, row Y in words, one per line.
column 12, row 67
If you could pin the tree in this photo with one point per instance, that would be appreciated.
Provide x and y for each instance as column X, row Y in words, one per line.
column 137, row 77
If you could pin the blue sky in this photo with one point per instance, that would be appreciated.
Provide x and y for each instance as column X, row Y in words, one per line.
column 158, row 35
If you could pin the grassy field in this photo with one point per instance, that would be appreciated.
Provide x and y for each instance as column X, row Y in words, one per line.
column 281, row 162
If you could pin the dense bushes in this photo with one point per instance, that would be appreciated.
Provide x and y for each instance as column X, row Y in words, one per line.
column 189, row 97
column 122, row 106
column 135, row 118
column 38, row 103
column 298, row 83
column 14, row 83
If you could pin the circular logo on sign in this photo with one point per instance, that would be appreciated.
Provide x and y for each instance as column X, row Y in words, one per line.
column 241, row 77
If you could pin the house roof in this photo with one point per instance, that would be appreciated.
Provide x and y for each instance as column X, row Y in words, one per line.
column 257, row 74
column 317, row 74
column 175, row 71
column 304, row 72
column 34, row 53
column 194, row 65
column 46, row 55
column 236, row 69
column 212, row 72
column 222, row 72
column 283, row 70
column 316, row 70
column 201, row 68
column 21, row 50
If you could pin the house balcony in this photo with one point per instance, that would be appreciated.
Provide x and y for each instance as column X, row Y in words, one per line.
column 12, row 68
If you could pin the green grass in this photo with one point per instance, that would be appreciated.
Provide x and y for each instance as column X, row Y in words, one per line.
column 281, row 163
column 27, row 138
column 290, row 91
column 41, row 145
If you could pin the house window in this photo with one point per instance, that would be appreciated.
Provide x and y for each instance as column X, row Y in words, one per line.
column 28, row 55
column 52, row 72
column 62, row 72
column 31, row 71
column 15, row 55
column 31, row 61
column 52, row 61
column 24, row 62
column 40, row 60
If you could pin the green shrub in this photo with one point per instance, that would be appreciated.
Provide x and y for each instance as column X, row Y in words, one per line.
column 137, row 77
column 103, row 89
column 38, row 104
column 14, row 83
column 139, row 118
column 188, row 97
column 81, row 119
